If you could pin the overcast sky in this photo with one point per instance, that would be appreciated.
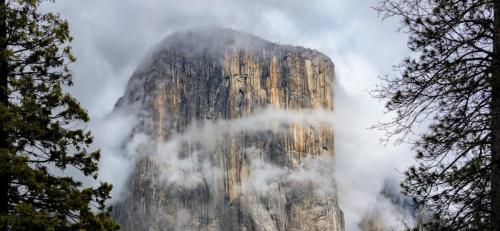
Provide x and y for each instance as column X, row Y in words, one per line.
column 111, row 37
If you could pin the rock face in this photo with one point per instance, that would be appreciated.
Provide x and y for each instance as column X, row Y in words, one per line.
column 394, row 211
column 216, row 158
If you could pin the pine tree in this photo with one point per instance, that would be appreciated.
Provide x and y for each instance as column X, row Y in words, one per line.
column 40, row 132
column 453, row 83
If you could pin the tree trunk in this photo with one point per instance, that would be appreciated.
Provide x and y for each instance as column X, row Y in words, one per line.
column 495, row 125
column 4, row 145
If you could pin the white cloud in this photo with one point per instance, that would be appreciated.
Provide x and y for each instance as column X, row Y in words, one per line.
column 112, row 36
column 112, row 134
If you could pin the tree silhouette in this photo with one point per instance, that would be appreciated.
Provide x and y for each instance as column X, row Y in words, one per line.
column 39, row 131
column 452, row 81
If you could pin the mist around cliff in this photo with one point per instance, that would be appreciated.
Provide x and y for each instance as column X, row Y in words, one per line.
column 363, row 162
column 194, row 168
column 113, row 136
column 189, row 168
column 358, row 170
column 361, row 47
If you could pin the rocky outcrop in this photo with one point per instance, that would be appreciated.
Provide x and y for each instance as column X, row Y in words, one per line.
column 226, row 151
column 394, row 211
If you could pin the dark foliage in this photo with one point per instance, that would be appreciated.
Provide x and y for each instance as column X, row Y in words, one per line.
column 40, row 131
column 450, row 81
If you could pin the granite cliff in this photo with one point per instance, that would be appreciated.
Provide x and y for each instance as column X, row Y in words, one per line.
column 238, row 136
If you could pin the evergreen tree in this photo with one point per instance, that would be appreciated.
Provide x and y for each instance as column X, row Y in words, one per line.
column 39, row 131
column 452, row 82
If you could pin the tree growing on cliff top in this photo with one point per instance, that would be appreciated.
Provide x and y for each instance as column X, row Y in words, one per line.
column 39, row 128
column 453, row 81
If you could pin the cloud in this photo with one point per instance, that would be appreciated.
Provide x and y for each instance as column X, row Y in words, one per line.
column 119, row 148
column 112, row 36
column 190, row 167
column 362, row 162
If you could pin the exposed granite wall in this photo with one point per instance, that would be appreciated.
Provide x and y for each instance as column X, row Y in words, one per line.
column 205, row 76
